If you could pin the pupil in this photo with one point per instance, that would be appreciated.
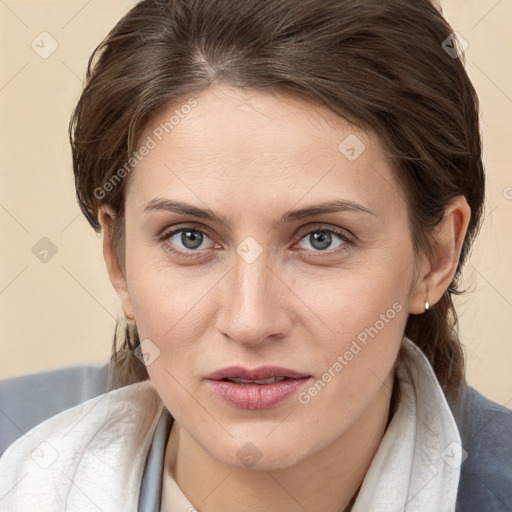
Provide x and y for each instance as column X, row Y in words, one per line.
column 191, row 239
column 321, row 240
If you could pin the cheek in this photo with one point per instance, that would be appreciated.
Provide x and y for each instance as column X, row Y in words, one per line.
column 346, row 300
column 355, row 359
column 163, row 295
column 358, row 321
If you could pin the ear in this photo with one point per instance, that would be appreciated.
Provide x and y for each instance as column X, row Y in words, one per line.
column 446, row 249
column 106, row 218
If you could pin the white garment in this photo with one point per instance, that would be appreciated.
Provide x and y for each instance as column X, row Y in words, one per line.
column 92, row 456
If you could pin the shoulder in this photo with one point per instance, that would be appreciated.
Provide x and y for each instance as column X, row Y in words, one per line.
column 486, row 434
column 86, row 447
column 28, row 400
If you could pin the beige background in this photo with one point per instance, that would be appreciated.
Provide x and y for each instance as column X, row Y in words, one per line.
column 62, row 312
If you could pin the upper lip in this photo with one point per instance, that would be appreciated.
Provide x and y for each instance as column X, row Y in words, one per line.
column 262, row 372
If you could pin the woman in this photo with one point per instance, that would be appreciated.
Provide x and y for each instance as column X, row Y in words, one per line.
column 288, row 192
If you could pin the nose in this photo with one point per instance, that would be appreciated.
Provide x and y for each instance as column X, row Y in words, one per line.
column 254, row 303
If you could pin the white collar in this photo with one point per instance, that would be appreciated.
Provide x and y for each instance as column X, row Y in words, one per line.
column 95, row 452
column 417, row 465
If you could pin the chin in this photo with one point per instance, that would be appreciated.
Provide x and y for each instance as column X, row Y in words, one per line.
column 261, row 454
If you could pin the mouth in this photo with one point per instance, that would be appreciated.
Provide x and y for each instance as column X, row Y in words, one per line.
column 239, row 380
column 261, row 374
column 260, row 388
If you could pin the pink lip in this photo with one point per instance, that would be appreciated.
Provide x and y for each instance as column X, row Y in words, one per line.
column 255, row 396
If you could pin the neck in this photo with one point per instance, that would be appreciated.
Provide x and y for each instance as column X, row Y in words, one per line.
column 328, row 480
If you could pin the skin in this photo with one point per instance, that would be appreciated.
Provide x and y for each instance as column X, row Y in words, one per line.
column 251, row 157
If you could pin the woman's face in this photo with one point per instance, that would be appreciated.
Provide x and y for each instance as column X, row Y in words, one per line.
column 272, row 280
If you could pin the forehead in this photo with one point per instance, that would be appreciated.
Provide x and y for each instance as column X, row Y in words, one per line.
column 230, row 120
column 265, row 143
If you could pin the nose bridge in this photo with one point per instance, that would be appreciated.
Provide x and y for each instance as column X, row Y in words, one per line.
column 250, row 308
column 252, row 283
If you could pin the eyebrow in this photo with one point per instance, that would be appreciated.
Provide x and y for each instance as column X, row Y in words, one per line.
column 289, row 216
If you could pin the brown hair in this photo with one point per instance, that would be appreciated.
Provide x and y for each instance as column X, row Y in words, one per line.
column 382, row 65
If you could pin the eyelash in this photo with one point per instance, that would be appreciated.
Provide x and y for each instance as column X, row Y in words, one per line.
column 194, row 253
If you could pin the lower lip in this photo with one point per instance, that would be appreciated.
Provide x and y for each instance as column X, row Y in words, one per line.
column 255, row 396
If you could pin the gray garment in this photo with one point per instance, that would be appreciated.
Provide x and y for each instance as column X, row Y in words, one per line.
column 485, row 429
